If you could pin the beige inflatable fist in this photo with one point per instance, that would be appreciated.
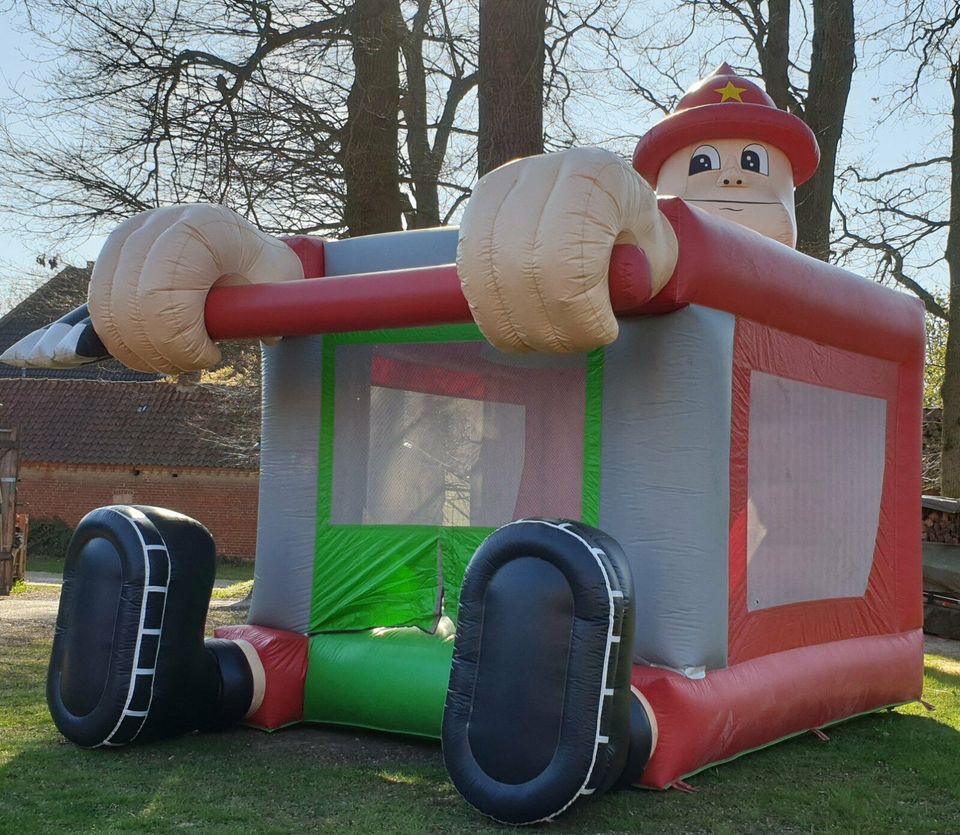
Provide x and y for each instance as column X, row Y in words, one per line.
column 150, row 283
column 535, row 245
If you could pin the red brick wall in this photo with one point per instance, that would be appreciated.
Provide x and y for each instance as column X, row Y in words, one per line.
column 223, row 500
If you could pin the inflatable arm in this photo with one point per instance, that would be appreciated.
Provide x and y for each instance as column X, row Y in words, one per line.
column 535, row 243
column 171, row 281
column 149, row 288
column 66, row 343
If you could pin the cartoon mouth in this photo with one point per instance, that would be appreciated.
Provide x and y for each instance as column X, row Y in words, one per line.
column 729, row 205
column 738, row 202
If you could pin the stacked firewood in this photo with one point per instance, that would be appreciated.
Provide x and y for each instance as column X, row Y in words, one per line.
column 941, row 526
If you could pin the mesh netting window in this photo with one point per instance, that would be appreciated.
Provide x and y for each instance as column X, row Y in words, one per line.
column 455, row 434
column 815, row 475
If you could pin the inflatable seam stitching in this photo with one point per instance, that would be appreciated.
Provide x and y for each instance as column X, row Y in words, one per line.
column 492, row 275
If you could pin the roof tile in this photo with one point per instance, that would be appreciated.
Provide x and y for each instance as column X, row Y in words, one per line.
column 61, row 294
column 158, row 424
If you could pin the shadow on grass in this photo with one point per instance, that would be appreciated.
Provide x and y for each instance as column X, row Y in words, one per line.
column 893, row 771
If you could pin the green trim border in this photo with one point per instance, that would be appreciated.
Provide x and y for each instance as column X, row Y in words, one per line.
column 592, row 439
column 452, row 542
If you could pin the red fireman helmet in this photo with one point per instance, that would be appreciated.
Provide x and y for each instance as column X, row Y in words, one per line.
column 725, row 105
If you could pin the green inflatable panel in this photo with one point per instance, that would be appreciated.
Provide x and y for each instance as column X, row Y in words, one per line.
column 383, row 679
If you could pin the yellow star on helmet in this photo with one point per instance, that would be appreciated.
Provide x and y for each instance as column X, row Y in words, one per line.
column 731, row 91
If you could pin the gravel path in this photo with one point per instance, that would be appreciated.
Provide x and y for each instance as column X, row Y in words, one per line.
column 38, row 605
column 15, row 609
column 37, row 609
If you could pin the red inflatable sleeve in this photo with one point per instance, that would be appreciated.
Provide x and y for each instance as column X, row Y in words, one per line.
column 284, row 658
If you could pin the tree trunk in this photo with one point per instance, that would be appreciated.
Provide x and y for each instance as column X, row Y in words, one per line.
column 950, row 446
column 774, row 54
column 831, row 69
column 371, row 166
column 511, row 80
column 424, row 168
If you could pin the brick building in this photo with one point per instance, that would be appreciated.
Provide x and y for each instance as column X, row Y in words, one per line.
column 103, row 434
column 86, row 443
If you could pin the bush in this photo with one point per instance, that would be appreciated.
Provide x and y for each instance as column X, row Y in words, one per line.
column 48, row 538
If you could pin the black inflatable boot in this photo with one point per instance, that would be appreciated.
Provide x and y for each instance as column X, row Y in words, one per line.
column 538, row 712
column 129, row 661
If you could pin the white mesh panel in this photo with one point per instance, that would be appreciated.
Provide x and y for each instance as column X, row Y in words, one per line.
column 437, row 434
column 815, row 475
column 425, row 459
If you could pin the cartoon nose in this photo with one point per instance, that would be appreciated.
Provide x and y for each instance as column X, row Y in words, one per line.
column 730, row 177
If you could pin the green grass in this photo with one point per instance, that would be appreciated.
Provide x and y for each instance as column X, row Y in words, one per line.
column 897, row 771
column 49, row 565
column 21, row 587
column 234, row 570
column 225, row 570
column 236, row 590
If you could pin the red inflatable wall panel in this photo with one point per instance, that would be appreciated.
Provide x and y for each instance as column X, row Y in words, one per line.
column 892, row 599
column 799, row 666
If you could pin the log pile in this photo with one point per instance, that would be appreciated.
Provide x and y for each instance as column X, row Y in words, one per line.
column 940, row 526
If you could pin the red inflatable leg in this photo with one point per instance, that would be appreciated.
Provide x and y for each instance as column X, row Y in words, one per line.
column 757, row 702
column 284, row 659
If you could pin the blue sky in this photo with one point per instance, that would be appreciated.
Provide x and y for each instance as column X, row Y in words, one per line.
column 17, row 250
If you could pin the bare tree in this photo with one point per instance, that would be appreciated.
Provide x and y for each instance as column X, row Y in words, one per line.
column 950, row 457
column 511, row 80
column 370, row 136
column 438, row 41
column 909, row 215
column 831, row 71
column 287, row 111
column 235, row 102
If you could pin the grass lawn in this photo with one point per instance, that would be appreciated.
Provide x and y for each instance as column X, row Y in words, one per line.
column 896, row 771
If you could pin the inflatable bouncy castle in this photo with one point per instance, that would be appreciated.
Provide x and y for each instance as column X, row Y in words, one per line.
column 598, row 490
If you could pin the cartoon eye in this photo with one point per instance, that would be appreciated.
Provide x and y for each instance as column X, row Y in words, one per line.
column 705, row 158
column 754, row 158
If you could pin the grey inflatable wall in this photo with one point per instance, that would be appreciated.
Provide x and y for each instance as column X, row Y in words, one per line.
column 290, row 438
column 665, row 480
column 664, row 464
